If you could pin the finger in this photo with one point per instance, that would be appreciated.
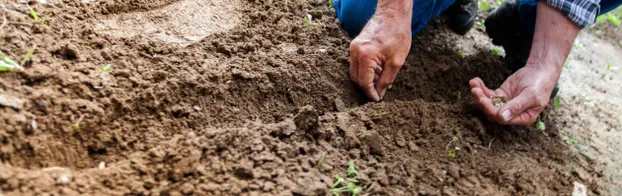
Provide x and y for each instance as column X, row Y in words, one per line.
column 515, row 108
column 526, row 118
column 485, row 104
column 378, row 71
column 366, row 72
column 354, row 67
column 387, row 77
column 479, row 83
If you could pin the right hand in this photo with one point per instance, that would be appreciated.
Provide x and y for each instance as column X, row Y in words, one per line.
column 378, row 53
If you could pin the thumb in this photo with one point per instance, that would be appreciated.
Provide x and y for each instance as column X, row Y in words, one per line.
column 515, row 108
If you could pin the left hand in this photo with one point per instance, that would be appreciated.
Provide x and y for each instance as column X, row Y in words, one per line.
column 528, row 91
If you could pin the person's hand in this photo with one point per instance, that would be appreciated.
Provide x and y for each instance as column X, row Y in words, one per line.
column 378, row 53
column 528, row 91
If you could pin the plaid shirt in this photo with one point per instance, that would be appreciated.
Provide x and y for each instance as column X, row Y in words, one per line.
column 581, row 12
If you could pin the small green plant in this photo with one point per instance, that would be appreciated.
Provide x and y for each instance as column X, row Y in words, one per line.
column 34, row 14
column 29, row 54
column 321, row 161
column 540, row 125
column 557, row 104
column 7, row 64
column 483, row 5
column 578, row 44
column 590, row 102
column 600, row 19
column 460, row 53
column 350, row 187
column 566, row 65
column 613, row 19
column 480, row 23
column 105, row 68
column 306, row 22
column 352, row 173
column 496, row 52
column 598, row 32
column 569, row 141
column 458, row 93
column 452, row 153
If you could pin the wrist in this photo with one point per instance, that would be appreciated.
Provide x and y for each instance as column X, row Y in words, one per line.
column 399, row 9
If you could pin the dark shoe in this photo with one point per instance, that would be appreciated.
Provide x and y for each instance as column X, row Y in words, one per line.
column 462, row 16
column 506, row 29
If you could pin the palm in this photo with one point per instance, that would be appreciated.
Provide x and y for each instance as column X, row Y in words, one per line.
column 528, row 90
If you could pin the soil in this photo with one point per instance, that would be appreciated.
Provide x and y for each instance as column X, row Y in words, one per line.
column 241, row 98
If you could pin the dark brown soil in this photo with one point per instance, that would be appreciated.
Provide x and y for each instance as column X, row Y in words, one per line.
column 251, row 111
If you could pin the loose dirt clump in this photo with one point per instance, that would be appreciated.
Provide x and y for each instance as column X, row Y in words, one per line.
column 249, row 108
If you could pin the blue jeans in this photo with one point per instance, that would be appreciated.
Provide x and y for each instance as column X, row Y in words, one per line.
column 354, row 14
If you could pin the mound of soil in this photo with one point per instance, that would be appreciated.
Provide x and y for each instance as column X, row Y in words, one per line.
column 249, row 108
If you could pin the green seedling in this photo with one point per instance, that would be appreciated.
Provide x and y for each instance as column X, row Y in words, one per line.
column 454, row 152
column 569, row 141
column 613, row 19
column 540, row 125
column 600, row 19
column 461, row 53
column 458, row 93
column 598, row 32
column 483, row 5
column 350, row 188
column 557, row 104
column 496, row 52
column 7, row 64
column 578, row 44
column 338, row 182
column 352, row 173
column 321, row 161
column 306, row 22
column 34, row 14
column 351, row 180
column 566, row 65
column 105, row 68
column 480, row 23
column 590, row 102
column 29, row 54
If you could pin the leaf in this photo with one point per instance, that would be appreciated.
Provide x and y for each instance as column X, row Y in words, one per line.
column 483, row 5
column 600, row 19
column 540, row 126
column 29, row 54
column 461, row 53
column 613, row 19
column 496, row 52
column 105, row 68
column 458, row 93
column 7, row 64
column 598, row 32
column 339, row 181
column 34, row 14
column 321, row 161
column 352, row 173
column 557, row 103
column 451, row 154
column 356, row 191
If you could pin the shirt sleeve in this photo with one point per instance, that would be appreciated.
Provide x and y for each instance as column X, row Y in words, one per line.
column 582, row 12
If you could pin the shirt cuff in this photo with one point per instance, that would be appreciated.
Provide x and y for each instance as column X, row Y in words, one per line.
column 581, row 12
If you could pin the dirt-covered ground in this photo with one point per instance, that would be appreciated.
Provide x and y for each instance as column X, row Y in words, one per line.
column 242, row 97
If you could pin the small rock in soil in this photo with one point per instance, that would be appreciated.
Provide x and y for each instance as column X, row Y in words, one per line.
column 11, row 101
column 413, row 147
column 268, row 186
column 339, row 105
column 374, row 142
column 454, row 170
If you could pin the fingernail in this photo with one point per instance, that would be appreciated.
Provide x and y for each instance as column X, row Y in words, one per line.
column 506, row 115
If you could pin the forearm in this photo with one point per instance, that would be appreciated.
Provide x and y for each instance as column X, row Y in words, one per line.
column 553, row 39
